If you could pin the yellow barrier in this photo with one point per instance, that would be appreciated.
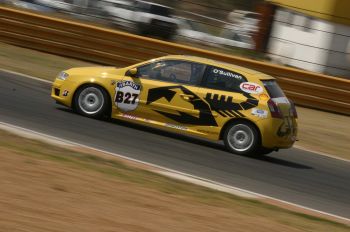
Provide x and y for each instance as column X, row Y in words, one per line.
column 112, row 47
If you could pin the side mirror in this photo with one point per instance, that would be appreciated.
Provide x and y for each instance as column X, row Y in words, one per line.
column 132, row 72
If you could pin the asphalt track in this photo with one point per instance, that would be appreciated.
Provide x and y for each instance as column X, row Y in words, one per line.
column 293, row 175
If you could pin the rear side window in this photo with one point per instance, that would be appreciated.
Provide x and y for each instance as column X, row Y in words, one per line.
column 222, row 79
column 273, row 89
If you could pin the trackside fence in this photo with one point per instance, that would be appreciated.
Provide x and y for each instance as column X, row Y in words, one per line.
column 110, row 47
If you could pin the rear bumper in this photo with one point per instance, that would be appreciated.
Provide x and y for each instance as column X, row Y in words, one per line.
column 278, row 133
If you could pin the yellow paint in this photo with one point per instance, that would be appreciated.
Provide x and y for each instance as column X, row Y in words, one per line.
column 337, row 11
column 148, row 114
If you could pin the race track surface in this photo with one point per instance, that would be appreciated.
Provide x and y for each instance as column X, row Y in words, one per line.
column 292, row 175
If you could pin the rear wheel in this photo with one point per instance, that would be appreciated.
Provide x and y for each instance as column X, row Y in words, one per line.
column 91, row 101
column 241, row 138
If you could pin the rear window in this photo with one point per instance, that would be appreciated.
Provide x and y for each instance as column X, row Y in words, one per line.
column 273, row 89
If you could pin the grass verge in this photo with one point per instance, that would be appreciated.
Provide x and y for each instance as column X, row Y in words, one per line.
column 318, row 131
column 34, row 63
column 48, row 188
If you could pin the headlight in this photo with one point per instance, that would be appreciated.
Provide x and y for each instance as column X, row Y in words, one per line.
column 62, row 76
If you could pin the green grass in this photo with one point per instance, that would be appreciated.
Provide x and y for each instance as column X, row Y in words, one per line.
column 38, row 64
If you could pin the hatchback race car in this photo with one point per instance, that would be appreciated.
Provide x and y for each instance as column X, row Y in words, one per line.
column 189, row 95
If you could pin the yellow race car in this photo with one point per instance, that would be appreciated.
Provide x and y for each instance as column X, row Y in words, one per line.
column 189, row 95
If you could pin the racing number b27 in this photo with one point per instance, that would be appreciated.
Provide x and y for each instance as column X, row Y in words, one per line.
column 126, row 98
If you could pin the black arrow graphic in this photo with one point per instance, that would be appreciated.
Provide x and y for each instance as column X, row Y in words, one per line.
column 205, row 116
column 226, row 106
column 157, row 93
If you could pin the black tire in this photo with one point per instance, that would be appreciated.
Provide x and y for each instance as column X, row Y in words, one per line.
column 92, row 101
column 242, row 138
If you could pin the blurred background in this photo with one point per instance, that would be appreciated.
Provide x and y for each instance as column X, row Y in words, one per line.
column 296, row 33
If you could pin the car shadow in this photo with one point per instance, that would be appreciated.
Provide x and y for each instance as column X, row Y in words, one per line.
column 282, row 162
column 195, row 140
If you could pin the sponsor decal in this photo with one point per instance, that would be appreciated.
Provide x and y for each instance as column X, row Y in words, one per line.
column 65, row 93
column 281, row 100
column 132, row 117
column 227, row 73
column 127, row 95
column 250, row 87
column 286, row 128
column 259, row 113
column 178, row 127
column 263, row 97
column 128, row 116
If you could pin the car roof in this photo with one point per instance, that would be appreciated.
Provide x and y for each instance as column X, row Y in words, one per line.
column 232, row 67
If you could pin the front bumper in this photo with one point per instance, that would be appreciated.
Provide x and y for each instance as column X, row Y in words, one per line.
column 62, row 92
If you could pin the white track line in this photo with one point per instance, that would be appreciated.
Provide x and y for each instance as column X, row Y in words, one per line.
column 321, row 153
column 164, row 171
column 31, row 134
column 295, row 146
column 26, row 76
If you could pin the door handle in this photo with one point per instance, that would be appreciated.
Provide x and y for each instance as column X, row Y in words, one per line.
column 186, row 97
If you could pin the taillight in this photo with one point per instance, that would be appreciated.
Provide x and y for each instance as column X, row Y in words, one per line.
column 293, row 109
column 275, row 111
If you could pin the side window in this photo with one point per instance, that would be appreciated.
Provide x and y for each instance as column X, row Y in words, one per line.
column 222, row 79
column 176, row 71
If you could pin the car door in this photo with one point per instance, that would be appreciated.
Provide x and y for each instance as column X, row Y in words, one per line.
column 221, row 89
column 168, row 95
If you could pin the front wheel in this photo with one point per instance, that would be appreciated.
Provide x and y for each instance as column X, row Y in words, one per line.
column 241, row 138
column 91, row 101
